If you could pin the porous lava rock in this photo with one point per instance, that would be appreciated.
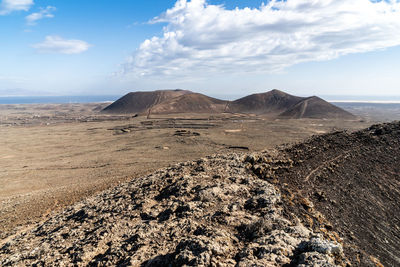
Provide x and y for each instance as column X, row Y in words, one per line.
column 210, row 212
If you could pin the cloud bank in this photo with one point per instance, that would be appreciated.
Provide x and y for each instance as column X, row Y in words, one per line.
column 58, row 45
column 43, row 13
column 200, row 38
column 8, row 6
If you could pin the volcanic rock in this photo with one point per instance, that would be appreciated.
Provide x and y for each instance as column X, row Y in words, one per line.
column 348, row 183
column 191, row 214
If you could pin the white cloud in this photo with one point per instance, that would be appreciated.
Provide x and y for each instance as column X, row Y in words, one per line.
column 200, row 38
column 43, row 13
column 58, row 45
column 8, row 6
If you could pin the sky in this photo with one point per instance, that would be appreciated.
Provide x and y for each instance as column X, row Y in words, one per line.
column 216, row 47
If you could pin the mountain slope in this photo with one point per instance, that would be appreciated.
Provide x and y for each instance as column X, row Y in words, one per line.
column 140, row 102
column 315, row 107
column 190, row 103
column 272, row 103
column 349, row 183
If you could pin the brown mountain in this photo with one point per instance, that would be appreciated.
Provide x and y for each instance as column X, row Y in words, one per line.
column 190, row 103
column 315, row 107
column 273, row 103
column 140, row 102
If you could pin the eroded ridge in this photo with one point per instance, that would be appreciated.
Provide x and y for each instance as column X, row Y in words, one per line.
column 212, row 212
column 345, row 185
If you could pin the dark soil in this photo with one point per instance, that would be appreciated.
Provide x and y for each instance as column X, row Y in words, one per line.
column 353, row 180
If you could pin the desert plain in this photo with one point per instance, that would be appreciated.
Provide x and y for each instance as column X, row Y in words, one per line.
column 53, row 155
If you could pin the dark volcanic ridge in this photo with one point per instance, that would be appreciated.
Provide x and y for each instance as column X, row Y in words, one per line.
column 274, row 103
column 330, row 201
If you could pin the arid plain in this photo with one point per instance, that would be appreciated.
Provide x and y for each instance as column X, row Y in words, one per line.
column 53, row 155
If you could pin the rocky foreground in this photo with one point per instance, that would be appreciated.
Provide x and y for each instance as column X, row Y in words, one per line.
column 275, row 208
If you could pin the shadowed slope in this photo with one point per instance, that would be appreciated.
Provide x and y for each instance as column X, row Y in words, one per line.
column 140, row 102
column 315, row 107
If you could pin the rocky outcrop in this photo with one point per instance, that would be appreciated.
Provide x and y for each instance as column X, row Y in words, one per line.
column 211, row 212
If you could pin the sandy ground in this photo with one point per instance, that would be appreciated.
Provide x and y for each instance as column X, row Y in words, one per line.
column 54, row 155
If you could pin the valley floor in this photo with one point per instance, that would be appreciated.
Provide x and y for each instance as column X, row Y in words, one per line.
column 55, row 155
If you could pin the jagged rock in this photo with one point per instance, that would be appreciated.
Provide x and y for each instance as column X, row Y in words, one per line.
column 315, row 259
column 221, row 214
column 316, row 244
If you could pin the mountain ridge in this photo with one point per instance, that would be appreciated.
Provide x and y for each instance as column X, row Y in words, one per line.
column 274, row 103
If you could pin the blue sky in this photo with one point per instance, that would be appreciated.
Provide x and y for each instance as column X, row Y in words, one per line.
column 81, row 47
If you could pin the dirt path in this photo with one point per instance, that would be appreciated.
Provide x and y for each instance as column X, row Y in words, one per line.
column 352, row 180
column 303, row 110
column 324, row 165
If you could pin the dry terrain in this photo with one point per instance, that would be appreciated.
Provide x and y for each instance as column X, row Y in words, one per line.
column 331, row 200
column 209, row 212
column 54, row 155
